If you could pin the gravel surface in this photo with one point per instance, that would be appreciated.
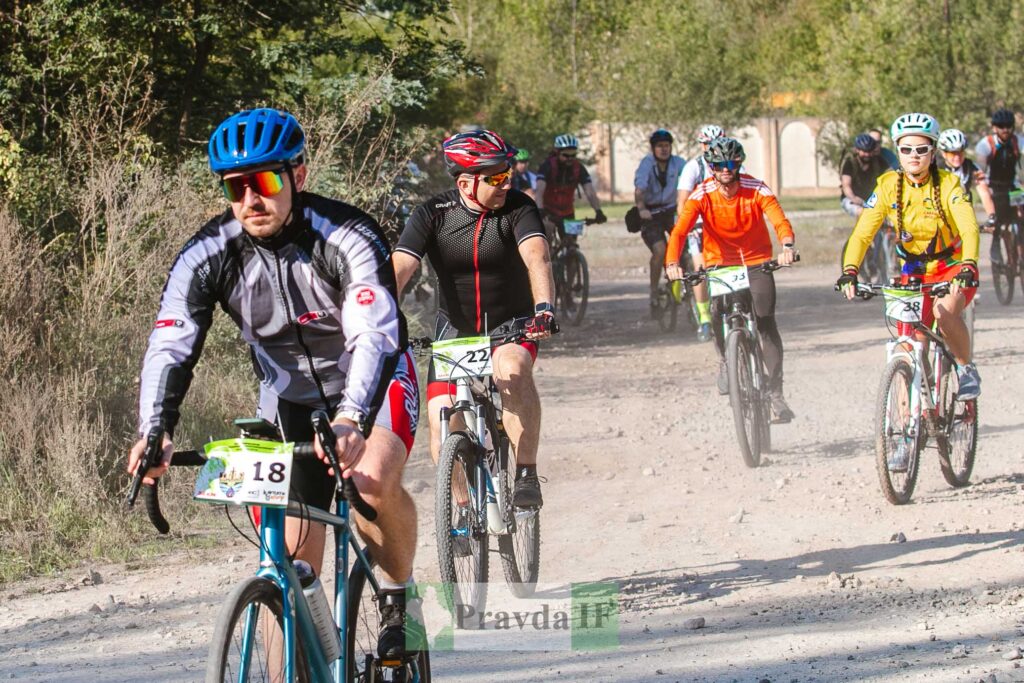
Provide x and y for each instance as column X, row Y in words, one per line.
column 796, row 571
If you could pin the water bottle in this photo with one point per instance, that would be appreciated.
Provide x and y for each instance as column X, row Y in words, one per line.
column 320, row 610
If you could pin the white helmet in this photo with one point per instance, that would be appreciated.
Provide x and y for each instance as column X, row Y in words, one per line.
column 915, row 124
column 952, row 140
column 709, row 133
column 566, row 142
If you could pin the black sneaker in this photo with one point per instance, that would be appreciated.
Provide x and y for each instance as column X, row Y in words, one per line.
column 723, row 377
column 401, row 636
column 527, row 493
column 781, row 412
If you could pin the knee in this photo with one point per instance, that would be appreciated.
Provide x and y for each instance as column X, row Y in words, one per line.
column 513, row 368
column 378, row 474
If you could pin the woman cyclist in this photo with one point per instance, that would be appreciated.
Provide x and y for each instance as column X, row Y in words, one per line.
column 937, row 236
column 953, row 144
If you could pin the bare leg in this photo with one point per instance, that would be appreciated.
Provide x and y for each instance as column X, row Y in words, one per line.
column 456, row 422
column 513, row 375
column 657, row 265
column 954, row 330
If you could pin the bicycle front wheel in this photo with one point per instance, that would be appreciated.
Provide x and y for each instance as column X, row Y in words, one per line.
column 576, row 289
column 520, row 549
column 461, row 536
column 744, row 397
column 1004, row 274
column 361, row 659
column 668, row 310
column 248, row 641
column 958, row 441
column 898, row 441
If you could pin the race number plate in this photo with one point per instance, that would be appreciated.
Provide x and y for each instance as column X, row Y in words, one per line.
column 573, row 227
column 245, row 472
column 903, row 306
column 459, row 358
column 1016, row 197
column 722, row 281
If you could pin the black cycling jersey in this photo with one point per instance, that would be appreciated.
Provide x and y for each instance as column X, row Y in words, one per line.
column 483, row 280
column 316, row 304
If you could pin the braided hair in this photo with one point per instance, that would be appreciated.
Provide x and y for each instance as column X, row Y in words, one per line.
column 936, row 197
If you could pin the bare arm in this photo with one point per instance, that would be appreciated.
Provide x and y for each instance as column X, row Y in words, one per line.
column 539, row 194
column 405, row 266
column 986, row 196
column 591, row 195
column 847, row 182
column 537, row 257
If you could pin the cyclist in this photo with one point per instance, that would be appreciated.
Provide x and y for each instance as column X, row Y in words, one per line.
column 858, row 175
column 557, row 179
column 694, row 173
column 308, row 281
column 953, row 144
column 999, row 155
column 524, row 179
column 655, row 194
column 488, row 247
column 890, row 157
column 733, row 206
column 937, row 232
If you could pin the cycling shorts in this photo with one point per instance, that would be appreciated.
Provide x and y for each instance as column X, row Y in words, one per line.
column 437, row 388
column 944, row 272
column 657, row 229
column 398, row 413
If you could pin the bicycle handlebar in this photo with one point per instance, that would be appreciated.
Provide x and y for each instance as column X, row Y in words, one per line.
column 866, row 290
column 510, row 331
column 194, row 458
column 698, row 276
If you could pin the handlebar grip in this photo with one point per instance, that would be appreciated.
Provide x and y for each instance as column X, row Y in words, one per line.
column 322, row 425
column 152, row 498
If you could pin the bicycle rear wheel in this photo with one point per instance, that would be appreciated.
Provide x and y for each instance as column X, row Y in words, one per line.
column 744, row 397
column 958, row 441
column 363, row 631
column 520, row 549
column 461, row 537
column 896, row 439
column 1004, row 274
column 248, row 640
column 576, row 288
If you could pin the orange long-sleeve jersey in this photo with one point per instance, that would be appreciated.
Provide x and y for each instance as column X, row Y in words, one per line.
column 735, row 233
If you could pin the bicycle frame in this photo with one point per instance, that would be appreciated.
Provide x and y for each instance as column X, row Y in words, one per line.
column 276, row 567
column 476, row 417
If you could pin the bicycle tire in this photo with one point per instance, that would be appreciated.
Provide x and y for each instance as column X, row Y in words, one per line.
column 897, row 487
column 225, row 647
column 766, row 426
column 746, row 409
column 464, row 577
column 1004, row 274
column 363, row 633
column 960, row 418
column 574, row 306
column 519, row 550
column 668, row 310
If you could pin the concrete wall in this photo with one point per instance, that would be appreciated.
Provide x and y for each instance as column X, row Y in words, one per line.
column 780, row 151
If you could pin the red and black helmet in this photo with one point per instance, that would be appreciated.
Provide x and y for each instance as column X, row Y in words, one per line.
column 476, row 150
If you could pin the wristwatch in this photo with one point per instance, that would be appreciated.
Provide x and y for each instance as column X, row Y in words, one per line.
column 543, row 307
column 354, row 415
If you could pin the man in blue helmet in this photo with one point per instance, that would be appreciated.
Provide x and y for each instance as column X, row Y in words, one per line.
column 309, row 282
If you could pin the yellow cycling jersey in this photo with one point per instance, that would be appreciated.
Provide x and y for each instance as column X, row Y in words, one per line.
column 923, row 231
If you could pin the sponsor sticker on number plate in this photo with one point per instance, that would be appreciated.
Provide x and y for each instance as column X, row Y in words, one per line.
column 465, row 357
column 722, row 281
column 573, row 227
column 245, row 472
column 902, row 305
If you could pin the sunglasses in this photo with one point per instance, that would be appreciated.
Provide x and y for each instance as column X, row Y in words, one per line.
column 919, row 151
column 497, row 179
column 731, row 165
column 263, row 183
column 567, row 155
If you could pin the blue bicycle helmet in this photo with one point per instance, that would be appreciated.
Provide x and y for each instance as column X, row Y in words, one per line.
column 254, row 137
column 865, row 143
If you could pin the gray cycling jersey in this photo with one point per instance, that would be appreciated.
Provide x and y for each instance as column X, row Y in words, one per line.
column 316, row 304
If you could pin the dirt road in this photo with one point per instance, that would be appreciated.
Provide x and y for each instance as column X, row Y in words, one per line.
column 790, row 565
